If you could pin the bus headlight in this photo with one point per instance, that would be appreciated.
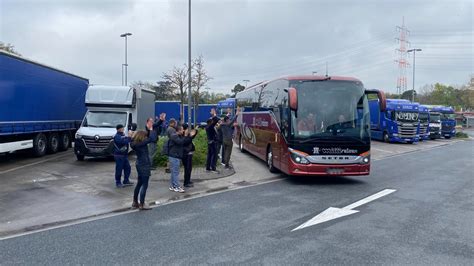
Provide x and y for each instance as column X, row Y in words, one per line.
column 298, row 157
column 365, row 157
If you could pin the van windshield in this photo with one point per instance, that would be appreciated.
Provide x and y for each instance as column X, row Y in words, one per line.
column 104, row 119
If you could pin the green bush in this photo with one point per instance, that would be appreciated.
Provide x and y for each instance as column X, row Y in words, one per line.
column 199, row 157
column 461, row 135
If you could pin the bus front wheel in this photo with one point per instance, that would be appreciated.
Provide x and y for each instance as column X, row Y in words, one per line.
column 270, row 166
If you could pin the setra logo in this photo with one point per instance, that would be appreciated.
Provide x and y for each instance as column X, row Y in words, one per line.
column 316, row 150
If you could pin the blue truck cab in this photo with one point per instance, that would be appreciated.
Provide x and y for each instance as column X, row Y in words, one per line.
column 226, row 106
column 448, row 121
column 424, row 118
column 398, row 123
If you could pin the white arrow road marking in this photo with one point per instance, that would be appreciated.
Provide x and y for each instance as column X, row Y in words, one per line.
column 334, row 213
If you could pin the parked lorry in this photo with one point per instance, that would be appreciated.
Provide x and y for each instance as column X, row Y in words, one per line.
column 41, row 107
column 435, row 123
column 448, row 121
column 108, row 106
column 171, row 108
column 398, row 123
column 424, row 118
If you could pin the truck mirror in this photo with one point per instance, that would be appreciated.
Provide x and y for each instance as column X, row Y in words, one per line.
column 293, row 99
column 381, row 96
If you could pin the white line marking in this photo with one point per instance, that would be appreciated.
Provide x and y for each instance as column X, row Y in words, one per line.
column 35, row 163
column 332, row 213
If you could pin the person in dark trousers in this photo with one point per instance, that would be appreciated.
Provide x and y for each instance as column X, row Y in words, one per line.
column 227, row 128
column 140, row 142
column 188, row 158
column 212, row 142
column 121, row 157
column 219, row 142
column 177, row 140
column 156, row 126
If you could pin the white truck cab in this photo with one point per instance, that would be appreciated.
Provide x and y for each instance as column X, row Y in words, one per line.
column 108, row 106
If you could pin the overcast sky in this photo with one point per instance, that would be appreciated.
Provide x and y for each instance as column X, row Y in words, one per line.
column 254, row 40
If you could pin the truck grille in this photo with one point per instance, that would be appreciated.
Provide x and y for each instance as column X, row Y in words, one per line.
column 423, row 129
column 434, row 129
column 407, row 131
column 92, row 143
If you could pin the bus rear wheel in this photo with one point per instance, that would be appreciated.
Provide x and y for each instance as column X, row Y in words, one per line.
column 241, row 145
column 270, row 166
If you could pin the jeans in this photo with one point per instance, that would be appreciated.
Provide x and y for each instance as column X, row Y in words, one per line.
column 188, row 167
column 211, row 156
column 141, row 187
column 227, row 151
column 151, row 152
column 174, row 167
column 122, row 164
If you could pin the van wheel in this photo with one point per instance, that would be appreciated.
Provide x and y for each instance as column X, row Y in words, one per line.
column 53, row 143
column 64, row 141
column 385, row 137
column 39, row 145
column 80, row 157
column 270, row 166
column 241, row 144
column 447, row 137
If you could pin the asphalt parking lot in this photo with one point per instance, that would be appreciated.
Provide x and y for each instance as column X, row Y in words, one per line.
column 45, row 192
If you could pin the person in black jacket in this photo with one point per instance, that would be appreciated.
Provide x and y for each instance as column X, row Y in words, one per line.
column 156, row 125
column 212, row 142
column 121, row 157
column 140, row 141
column 176, row 140
column 187, row 160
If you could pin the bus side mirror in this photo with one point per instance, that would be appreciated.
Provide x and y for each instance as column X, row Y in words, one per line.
column 381, row 96
column 293, row 99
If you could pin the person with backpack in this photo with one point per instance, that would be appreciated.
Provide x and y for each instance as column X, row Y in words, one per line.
column 121, row 157
column 176, row 140
column 139, row 144
column 188, row 157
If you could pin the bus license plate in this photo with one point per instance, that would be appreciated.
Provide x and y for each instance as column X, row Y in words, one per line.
column 335, row 171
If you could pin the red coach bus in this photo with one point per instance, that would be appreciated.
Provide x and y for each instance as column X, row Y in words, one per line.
column 307, row 125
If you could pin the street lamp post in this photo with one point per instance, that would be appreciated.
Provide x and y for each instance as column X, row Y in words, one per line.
column 124, row 80
column 246, row 82
column 189, row 65
column 414, row 53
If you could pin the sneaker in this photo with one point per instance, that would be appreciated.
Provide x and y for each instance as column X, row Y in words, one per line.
column 135, row 205
column 189, row 185
column 127, row 184
column 171, row 188
column 215, row 172
column 144, row 207
column 119, row 185
column 179, row 189
column 167, row 171
column 223, row 164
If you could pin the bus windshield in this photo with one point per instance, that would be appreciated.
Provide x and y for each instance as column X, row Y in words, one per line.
column 330, row 110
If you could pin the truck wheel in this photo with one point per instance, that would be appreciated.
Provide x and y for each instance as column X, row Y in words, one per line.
column 80, row 157
column 270, row 166
column 64, row 141
column 241, row 144
column 385, row 137
column 53, row 143
column 447, row 137
column 39, row 145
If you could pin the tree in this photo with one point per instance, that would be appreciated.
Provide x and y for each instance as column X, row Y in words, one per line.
column 163, row 90
column 408, row 95
column 9, row 48
column 237, row 88
column 178, row 80
column 200, row 79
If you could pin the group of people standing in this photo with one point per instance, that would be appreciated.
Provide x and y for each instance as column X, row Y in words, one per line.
column 220, row 133
column 179, row 148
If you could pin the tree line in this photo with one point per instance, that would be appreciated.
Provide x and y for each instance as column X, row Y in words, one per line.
column 459, row 97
